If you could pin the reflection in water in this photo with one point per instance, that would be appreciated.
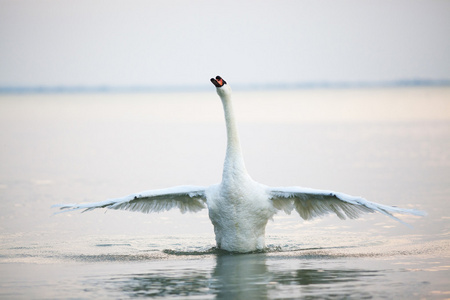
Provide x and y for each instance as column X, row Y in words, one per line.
column 246, row 276
column 312, row 276
column 326, row 284
column 243, row 276
column 160, row 284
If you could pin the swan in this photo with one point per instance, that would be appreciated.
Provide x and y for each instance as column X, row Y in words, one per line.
column 239, row 207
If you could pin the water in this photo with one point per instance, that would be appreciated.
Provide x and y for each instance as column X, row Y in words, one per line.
column 391, row 146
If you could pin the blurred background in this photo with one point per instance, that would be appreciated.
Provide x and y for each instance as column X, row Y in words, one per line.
column 178, row 44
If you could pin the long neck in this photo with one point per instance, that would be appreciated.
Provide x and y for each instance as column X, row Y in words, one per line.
column 234, row 165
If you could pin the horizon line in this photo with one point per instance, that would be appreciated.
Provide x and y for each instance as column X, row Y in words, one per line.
column 96, row 89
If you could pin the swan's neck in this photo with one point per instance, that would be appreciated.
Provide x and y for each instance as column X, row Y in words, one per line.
column 234, row 166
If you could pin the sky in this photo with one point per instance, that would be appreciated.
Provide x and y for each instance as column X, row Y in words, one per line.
column 184, row 43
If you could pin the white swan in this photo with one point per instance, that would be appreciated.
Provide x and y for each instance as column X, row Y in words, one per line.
column 239, row 207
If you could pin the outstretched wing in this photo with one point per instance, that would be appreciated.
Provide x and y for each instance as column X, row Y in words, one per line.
column 186, row 198
column 311, row 203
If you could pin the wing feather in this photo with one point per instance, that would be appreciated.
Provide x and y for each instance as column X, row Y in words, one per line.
column 185, row 198
column 311, row 203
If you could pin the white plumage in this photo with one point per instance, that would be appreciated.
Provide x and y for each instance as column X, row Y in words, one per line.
column 239, row 207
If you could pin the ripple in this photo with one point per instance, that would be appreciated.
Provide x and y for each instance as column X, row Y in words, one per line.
column 112, row 245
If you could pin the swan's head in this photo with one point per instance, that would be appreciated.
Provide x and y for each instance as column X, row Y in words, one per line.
column 223, row 89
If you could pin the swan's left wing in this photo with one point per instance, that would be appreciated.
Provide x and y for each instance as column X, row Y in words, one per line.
column 311, row 203
column 186, row 198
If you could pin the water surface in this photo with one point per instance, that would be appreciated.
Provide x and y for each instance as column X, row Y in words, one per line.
column 390, row 146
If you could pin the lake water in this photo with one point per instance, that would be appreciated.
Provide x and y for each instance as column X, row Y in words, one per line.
column 388, row 145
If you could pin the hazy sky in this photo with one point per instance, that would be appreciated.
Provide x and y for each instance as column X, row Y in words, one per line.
column 122, row 43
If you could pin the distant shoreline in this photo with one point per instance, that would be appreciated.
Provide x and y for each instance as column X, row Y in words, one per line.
column 195, row 88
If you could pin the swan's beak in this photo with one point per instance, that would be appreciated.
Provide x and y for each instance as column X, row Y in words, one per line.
column 218, row 81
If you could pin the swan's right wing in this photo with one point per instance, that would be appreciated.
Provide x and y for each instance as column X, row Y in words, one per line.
column 186, row 198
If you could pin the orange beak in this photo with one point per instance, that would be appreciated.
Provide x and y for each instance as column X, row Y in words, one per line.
column 218, row 81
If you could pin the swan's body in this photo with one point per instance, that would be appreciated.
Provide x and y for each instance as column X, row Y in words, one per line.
column 239, row 207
